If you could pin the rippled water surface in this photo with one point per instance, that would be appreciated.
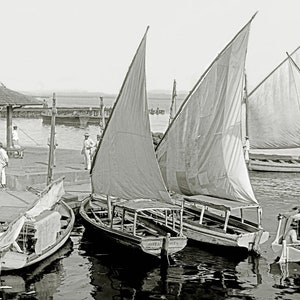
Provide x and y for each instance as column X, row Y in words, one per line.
column 84, row 270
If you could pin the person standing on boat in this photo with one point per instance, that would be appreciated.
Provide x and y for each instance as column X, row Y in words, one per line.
column 87, row 151
column 292, row 235
column 3, row 165
column 246, row 149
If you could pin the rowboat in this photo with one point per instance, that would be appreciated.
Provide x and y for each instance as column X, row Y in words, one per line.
column 29, row 235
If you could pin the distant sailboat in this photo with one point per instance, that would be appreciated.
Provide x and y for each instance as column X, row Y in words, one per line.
column 126, row 171
column 201, row 156
column 273, row 119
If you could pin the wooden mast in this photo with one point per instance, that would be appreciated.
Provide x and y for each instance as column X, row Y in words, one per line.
column 173, row 103
column 52, row 141
column 246, row 106
column 102, row 116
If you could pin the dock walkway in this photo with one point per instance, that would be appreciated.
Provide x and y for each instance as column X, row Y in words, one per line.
column 31, row 171
column 33, row 168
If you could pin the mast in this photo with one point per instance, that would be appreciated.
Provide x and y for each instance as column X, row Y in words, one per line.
column 173, row 107
column 52, row 141
column 245, row 100
column 102, row 116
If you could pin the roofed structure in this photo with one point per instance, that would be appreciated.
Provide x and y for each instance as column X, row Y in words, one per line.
column 13, row 98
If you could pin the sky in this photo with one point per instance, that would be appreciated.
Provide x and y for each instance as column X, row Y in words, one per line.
column 88, row 45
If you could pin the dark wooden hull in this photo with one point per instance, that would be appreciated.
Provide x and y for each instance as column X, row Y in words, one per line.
column 130, row 244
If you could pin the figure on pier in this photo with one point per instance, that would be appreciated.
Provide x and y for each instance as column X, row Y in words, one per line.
column 87, row 151
column 3, row 165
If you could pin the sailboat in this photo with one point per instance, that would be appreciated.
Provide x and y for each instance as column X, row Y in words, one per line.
column 273, row 119
column 126, row 179
column 30, row 234
column 201, row 156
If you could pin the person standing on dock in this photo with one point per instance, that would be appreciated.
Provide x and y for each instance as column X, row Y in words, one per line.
column 87, row 150
column 3, row 165
column 15, row 137
column 246, row 149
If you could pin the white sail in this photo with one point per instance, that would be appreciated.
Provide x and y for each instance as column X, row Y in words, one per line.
column 201, row 152
column 125, row 165
column 48, row 198
column 273, row 108
column 10, row 235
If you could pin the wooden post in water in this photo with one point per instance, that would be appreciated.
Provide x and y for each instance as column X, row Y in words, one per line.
column 52, row 141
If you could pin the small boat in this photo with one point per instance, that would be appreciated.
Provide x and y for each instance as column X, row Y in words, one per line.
column 131, row 227
column 126, row 179
column 284, row 247
column 272, row 119
column 201, row 157
column 36, row 232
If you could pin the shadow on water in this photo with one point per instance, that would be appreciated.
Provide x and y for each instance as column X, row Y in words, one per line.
column 37, row 282
column 196, row 274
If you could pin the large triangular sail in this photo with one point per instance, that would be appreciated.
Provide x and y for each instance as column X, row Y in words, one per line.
column 273, row 109
column 125, row 165
column 201, row 152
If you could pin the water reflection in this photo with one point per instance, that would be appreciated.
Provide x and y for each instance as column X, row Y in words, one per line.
column 195, row 273
column 286, row 275
column 39, row 282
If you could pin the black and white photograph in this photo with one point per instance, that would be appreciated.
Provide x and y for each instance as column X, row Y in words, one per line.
column 150, row 149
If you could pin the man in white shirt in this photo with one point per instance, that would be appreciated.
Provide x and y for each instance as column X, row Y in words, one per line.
column 3, row 165
column 87, row 150
column 15, row 137
column 246, row 149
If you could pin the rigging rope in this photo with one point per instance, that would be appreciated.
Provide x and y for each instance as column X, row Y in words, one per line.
column 29, row 136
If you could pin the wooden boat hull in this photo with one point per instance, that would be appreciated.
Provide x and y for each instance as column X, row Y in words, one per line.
column 71, row 120
column 217, row 238
column 274, row 166
column 143, row 245
column 12, row 260
column 201, row 224
column 268, row 162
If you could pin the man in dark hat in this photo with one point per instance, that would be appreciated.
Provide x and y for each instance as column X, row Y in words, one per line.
column 87, row 151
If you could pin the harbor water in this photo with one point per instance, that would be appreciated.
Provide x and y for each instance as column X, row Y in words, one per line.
column 86, row 270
